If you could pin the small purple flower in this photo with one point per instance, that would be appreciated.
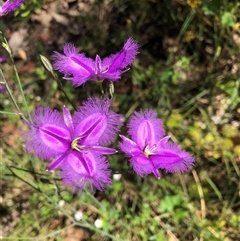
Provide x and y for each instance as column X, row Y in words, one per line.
column 76, row 144
column 9, row 6
column 3, row 58
column 3, row 87
column 149, row 150
column 78, row 68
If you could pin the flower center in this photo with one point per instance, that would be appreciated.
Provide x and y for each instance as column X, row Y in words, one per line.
column 75, row 144
column 149, row 150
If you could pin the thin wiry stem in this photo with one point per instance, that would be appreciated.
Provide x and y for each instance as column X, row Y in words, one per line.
column 22, row 179
column 12, row 98
column 10, row 113
column 60, row 87
column 7, row 47
column 48, row 66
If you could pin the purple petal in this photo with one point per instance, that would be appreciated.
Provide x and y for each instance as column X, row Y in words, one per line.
column 95, row 113
column 98, row 65
column 3, row 88
column 57, row 162
column 81, row 65
column 77, row 80
column 145, row 128
column 164, row 140
column 3, row 57
column 55, row 137
column 48, row 135
column 68, row 119
column 103, row 150
column 116, row 75
column 129, row 147
column 91, row 129
column 82, row 162
column 141, row 164
column 121, row 60
column 131, row 48
column 9, row 6
column 74, row 173
column 71, row 63
column 172, row 159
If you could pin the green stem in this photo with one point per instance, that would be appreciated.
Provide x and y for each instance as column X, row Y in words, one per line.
column 60, row 87
column 22, row 179
column 12, row 98
column 7, row 47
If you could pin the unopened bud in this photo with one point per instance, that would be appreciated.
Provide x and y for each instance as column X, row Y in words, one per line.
column 111, row 89
column 46, row 63
column 5, row 46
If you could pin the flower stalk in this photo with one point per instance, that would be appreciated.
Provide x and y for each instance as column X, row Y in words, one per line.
column 8, row 49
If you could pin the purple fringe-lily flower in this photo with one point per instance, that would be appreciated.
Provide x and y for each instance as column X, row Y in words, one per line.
column 149, row 150
column 76, row 144
column 78, row 68
column 9, row 6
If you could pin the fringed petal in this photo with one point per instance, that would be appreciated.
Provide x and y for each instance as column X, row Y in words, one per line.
column 96, row 123
column 129, row 147
column 145, row 128
column 76, row 67
column 48, row 136
column 75, row 174
column 9, row 6
column 172, row 159
column 119, row 61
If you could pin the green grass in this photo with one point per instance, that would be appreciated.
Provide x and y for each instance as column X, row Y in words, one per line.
column 188, row 71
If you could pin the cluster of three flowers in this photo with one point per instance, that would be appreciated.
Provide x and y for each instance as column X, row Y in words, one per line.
column 77, row 145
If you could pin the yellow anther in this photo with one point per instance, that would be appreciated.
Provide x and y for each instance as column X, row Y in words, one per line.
column 75, row 145
column 149, row 150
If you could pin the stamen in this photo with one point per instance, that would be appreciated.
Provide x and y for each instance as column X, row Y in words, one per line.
column 103, row 71
column 75, row 144
column 149, row 150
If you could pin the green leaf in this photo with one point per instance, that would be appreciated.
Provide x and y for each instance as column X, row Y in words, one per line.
column 212, row 7
column 227, row 20
column 170, row 202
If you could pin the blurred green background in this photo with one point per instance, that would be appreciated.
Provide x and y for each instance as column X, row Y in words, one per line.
column 188, row 70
